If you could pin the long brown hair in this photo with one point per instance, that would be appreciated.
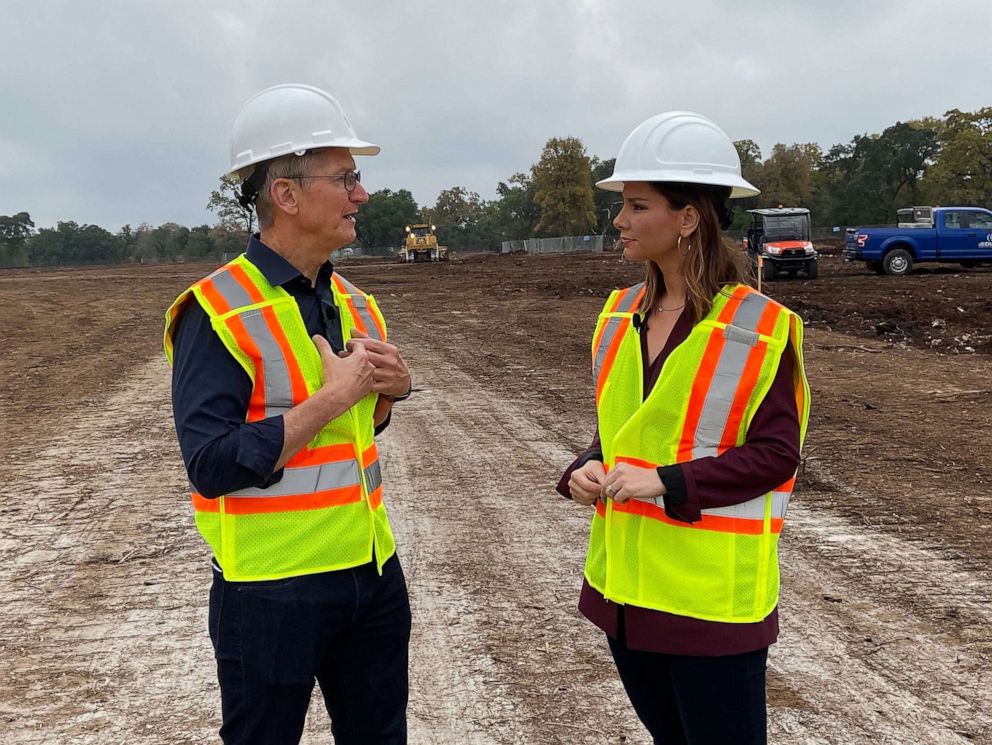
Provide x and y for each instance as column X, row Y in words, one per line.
column 711, row 261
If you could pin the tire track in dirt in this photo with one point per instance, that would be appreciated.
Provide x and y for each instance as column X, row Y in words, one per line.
column 863, row 657
column 493, row 559
column 868, row 641
column 104, row 619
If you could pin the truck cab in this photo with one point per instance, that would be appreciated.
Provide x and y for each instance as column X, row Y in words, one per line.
column 961, row 235
column 781, row 238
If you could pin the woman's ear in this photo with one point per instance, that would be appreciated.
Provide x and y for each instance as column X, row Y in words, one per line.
column 690, row 221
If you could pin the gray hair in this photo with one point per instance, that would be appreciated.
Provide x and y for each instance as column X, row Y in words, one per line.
column 286, row 166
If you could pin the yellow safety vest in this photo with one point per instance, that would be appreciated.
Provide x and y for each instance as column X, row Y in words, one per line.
column 723, row 567
column 326, row 512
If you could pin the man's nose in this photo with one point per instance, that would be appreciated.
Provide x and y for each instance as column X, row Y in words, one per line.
column 358, row 194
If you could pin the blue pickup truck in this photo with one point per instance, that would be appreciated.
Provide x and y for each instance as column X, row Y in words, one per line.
column 960, row 235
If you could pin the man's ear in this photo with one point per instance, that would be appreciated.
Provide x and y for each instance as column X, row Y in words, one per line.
column 283, row 195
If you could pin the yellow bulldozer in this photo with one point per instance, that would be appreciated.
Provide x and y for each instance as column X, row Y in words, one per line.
column 420, row 244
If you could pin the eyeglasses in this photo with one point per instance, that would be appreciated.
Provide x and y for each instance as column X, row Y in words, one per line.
column 351, row 179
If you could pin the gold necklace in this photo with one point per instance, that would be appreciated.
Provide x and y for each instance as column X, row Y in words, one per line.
column 659, row 309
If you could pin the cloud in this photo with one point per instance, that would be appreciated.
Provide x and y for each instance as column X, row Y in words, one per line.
column 121, row 112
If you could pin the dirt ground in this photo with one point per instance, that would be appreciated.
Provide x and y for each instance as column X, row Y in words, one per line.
column 886, row 603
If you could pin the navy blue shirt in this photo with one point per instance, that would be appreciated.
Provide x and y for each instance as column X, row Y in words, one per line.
column 210, row 389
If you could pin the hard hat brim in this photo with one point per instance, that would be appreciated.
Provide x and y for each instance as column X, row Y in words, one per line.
column 739, row 187
column 355, row 147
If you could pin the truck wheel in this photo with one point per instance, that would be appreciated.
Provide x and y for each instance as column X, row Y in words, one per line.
column 898, row 262
column 812, row 269
column 768, row 271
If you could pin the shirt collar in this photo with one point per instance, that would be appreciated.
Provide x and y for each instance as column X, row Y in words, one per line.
column 274, row 267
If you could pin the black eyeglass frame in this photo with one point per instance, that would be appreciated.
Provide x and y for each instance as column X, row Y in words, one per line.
column 355, row 177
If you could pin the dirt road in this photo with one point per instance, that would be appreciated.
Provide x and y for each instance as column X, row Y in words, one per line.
column 886, row 603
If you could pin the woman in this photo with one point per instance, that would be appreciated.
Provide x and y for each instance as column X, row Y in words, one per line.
column 702, row 406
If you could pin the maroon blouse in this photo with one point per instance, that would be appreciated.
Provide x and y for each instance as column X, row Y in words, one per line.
column 768, row 458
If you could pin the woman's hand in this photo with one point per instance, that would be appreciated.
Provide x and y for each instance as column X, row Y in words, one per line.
column 586, row 483
column 632, row 482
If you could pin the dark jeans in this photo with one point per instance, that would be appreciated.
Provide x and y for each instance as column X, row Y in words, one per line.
column 348, row 629
column 686, row 700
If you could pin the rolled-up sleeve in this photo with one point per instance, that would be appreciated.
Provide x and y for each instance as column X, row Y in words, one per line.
column 210, row 395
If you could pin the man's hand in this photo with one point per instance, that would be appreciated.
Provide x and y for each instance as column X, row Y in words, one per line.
column 391, row 376
column 586, row 483
column 632, row 482
column 348, row 377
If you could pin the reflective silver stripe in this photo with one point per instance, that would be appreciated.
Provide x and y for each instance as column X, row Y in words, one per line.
column 348, row 286
column 625, row 305
column 373, row 476
column 742, row 336
column 307, row 480
column 629, row 300
column 362, row 306
column 609, row 333
column 278, row 388
column 719, row 399
column 231, row 290
column 754, row 509
column 749, row 311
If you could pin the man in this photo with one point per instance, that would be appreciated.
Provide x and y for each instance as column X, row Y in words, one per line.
column 282, row 376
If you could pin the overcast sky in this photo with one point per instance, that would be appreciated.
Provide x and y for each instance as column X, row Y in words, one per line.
column 119, row 112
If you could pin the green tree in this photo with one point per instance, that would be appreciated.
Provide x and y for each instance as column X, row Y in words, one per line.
column 867, row 180
column 71, row 243
column 563, row 189
column 786, row 178
column 514, row 214
column 459, row 215
column 381, row 221
column 606, row 204
column 962, row 173
column 230, row 214
column 751, row 170
column 14, row 232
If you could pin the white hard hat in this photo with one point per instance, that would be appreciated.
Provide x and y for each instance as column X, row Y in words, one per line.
column 679, row 146
column 290, row 118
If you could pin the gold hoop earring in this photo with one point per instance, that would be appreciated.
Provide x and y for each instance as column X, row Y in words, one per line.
column 688, row 246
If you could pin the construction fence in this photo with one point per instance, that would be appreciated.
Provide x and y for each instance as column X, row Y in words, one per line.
column 561, row 245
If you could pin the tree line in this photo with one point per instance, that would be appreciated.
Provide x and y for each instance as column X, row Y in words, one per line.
column 939, row 161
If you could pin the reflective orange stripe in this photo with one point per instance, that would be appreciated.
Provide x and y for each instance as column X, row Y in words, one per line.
column 370, row 455
column 716, row 523
column 202, row 504
column 321, row 455
column 256, row 404
column 351, row 306
column 611, row 355
column 375, row 499
column 788, row 486
column 769, row 316
column 635, row 462
column 697, row 397
column 216, row 300
column 378, row 324
column 242, row 278
column 730, row 309
column 745, row 386
column 296, row 381
column 315, row 501
column 601, row 508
